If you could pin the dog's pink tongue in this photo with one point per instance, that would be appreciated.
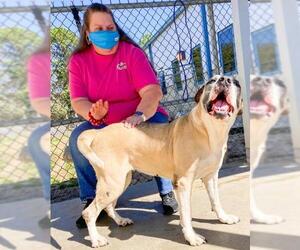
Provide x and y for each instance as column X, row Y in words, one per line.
column 220, row 105
column 257, row 105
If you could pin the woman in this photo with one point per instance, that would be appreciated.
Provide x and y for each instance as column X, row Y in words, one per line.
column 111, row 80
column 38, row 76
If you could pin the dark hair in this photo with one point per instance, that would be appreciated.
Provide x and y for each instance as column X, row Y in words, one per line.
column 97, row 7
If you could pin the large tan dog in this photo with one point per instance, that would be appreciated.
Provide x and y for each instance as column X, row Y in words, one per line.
column 191, row 147
column 268, row 101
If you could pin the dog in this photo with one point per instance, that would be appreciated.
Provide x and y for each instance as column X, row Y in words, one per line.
column 188, row 148
column 45, row 143
column 268, row 101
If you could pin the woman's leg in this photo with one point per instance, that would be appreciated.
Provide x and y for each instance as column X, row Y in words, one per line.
column 84, row 170
column 164, row 185
column 40, row 157
column 85, row 173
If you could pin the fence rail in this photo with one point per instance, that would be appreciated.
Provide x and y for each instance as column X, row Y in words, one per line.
column 139, row 4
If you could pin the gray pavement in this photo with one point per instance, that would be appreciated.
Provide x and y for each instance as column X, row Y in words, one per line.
column 19, row 227
column 277, row 192
column 151, row 229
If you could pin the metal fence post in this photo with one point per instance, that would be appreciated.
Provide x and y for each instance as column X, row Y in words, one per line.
column 213, row 37
column 287, row 28
column 241, row 25
column 150, row 53
column 206, row 41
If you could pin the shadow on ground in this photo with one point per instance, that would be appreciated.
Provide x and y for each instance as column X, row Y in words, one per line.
column 151, row 229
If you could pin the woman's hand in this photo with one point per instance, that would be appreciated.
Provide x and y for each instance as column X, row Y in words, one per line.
column 99, row 109
column 133, row 121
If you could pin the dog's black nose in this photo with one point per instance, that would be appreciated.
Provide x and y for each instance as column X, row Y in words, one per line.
column 224, row 81
column 261, row 82
column 228, row 82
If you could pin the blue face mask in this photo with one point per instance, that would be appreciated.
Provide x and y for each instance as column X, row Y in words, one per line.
column 104, row 39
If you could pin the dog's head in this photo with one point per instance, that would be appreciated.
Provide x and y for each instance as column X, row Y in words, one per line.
column 268, row 97
column 220, row 97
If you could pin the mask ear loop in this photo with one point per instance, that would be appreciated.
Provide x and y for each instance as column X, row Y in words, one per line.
column 88, row 40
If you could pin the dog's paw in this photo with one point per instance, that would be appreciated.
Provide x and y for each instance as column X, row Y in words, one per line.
column 229, row 219
column 267, row 219
column 194, row 239
column 123, row 222
column 99, row 241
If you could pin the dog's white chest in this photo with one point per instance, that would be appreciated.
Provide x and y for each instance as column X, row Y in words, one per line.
column 209, row 165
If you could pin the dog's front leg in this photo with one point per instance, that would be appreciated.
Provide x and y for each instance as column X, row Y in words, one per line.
column 211, row 184
column 183, row 192
column 90, row 215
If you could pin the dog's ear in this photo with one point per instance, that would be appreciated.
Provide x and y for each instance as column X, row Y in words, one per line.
column 285, row 103
column 199, row 93
column 240, row 111
column 286, row 107
column 285, row 112
column 241, row 108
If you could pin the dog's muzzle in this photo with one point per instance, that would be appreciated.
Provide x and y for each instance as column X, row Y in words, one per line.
column 261, row 105
column 220, row 104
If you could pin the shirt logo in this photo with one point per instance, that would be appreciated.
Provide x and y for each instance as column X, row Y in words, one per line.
column 121, row 66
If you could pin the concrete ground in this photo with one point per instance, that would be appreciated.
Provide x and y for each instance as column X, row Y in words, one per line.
column 276, row 190
column 19, row 227
column 151, row 229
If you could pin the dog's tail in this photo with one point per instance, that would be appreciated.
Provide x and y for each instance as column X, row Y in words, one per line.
column 84, row 143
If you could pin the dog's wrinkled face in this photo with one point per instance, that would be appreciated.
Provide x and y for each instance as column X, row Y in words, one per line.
column 220, row 97
column 267, row 97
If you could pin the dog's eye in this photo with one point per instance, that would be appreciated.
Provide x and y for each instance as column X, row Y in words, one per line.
column 279, row 83
column 236, row 83
column 258, row 78
column 267, row 81
column 211, row 81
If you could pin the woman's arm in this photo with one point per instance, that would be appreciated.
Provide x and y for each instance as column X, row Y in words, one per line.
column 41, row 106
column 83, row 106
column 151, row 96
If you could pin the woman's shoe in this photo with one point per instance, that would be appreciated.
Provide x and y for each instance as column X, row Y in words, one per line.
column 169, row 203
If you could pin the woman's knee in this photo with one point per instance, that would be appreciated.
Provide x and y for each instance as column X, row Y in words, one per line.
column 76, row 132
column 159, row 117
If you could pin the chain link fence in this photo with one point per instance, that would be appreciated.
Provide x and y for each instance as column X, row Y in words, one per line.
column 266, row 62
column 21, row 34
column 206, row 36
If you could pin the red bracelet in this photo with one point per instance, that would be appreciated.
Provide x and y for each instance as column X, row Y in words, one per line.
column 96, row 122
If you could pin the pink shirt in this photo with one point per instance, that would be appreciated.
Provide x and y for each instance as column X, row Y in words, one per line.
column 116, row 78
column 38, row 75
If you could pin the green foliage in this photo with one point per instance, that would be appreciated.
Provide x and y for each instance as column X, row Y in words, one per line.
column 144, row 39
column 16, row 45
column 63, row 42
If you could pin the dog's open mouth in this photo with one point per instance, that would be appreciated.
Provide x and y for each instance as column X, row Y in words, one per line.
column 220, row 106
column 260, row 106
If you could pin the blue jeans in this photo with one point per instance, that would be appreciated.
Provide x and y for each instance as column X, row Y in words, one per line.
column 40, row 158
column 85, row 172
